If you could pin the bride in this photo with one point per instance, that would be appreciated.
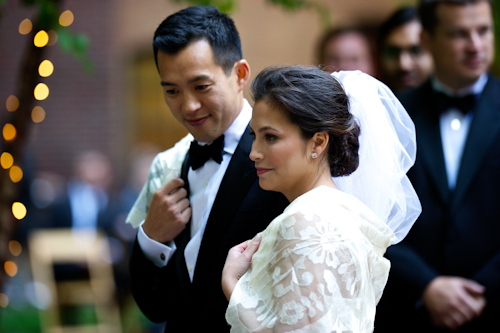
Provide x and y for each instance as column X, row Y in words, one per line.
column 338, row 147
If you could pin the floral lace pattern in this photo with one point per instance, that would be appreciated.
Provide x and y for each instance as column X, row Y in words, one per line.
column 319, row 268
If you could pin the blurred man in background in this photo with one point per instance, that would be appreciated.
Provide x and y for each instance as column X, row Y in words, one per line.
column 404, row 63
column 346, row 49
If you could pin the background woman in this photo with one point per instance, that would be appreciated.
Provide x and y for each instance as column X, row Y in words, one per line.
column 320, row 266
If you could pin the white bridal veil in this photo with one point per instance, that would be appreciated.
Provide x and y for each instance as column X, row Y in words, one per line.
column 387, row 151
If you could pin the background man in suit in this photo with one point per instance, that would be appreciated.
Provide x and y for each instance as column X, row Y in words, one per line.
column 191, row 223
column 404, row 63
column 446, row 274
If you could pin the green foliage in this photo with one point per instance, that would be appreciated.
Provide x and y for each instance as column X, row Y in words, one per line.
column 496, row 17
column 225, row 6
column 48, row 14
column 292, row 5
column 77, row 45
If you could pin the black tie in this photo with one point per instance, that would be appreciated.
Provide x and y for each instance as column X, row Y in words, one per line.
column 465, row 103
column 199, row 154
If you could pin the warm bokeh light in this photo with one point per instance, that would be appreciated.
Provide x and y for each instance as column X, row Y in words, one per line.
column 4, row 300
column 6, row 160
column 9, row 132
column 53, row 37
column 15, row 248
column 12, row 103
column 66, row 18
column 41, row 38
column 41, row 91
column 10, row 268
column 46, row 68
column 25, row 27
column 18, row 210
column 38, row 114
column 16, row 174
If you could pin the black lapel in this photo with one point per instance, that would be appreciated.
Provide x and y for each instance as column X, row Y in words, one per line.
column 483, row 129
column 184, row 237
column 429, row 144
column 239, row 177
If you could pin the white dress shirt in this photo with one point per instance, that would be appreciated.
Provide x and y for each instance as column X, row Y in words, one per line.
column 204, row 184
column 454, row 126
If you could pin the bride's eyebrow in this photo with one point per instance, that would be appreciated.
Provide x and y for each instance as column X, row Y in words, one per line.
column 266, row 128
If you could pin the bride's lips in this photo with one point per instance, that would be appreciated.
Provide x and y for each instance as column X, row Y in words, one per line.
column 196, row 122
column 261, row 171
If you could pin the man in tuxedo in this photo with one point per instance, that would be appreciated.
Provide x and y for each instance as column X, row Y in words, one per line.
column 446, row 274
column 190, row 223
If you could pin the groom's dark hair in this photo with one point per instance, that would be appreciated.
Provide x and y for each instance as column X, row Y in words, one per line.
column 200, row 23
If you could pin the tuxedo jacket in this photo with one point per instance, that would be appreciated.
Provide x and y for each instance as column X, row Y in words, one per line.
column 458, row 232
column 241, row 209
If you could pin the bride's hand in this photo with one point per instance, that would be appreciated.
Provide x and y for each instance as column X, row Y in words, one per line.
column 237, row 263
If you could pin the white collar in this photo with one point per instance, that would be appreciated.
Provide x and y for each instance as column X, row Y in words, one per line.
column 233, row 134
column 476, row 88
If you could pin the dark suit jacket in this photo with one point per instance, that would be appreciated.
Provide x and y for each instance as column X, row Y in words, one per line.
column 241, row 209
column 458, row 232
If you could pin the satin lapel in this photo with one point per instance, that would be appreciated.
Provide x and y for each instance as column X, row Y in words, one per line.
column 484, row 128
column 184, row 237
column 429, row 145
column 239, row 177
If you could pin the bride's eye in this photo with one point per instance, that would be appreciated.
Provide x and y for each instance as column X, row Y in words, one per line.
column 270, row 137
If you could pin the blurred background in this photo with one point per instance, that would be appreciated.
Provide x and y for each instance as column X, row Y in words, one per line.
column 82, row 115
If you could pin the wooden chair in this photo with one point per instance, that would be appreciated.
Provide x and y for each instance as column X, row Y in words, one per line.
column 51, row 247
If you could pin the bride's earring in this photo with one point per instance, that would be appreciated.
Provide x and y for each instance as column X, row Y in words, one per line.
column 314, row 155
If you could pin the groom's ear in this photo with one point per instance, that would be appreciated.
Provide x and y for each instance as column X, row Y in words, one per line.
column 242, row 69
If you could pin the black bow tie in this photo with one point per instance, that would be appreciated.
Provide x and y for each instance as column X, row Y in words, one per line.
column 199, row 154
column 465, row 103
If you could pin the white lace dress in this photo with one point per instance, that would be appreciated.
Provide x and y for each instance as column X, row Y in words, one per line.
column 319, row 268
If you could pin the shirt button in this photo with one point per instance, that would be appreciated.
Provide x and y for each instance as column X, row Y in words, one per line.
column 206, row 182
column 162, row 256
column 190, row 268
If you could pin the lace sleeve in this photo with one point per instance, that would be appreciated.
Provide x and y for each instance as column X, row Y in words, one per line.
column 312, row 277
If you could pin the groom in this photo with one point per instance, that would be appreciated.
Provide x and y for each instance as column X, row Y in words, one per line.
column 190, row 223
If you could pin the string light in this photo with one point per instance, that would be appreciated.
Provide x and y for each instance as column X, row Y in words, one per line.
column 6, row 160
column 16, row 174
column 10, row 268
column 25, row 27
column 46, row 68
column 4, row 300
column 12, row 103
column 18, row 210
column 66, row 18
column 41, row 91
column 38, row 114
column 41, row 38
column 9, row 132
column 15, row 248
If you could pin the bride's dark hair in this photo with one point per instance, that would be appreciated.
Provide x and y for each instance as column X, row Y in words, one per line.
column 316, row 102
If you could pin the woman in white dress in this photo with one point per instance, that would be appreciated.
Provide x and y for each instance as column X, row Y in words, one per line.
column 338, row 147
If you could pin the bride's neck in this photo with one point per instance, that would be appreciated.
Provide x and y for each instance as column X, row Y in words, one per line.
column 324, row 178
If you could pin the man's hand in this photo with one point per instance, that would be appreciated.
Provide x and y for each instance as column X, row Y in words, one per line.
column 453, row 301
column 238, row 262
column 168, row 213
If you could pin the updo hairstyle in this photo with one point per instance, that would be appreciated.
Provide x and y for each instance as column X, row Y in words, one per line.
column 316, row 102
